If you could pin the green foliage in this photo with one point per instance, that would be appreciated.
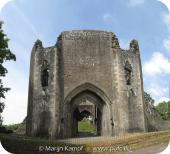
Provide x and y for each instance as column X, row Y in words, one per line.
column 5, row 52
column 5, row 55
column 148, row 99
column 164, row 110
column 13, row 127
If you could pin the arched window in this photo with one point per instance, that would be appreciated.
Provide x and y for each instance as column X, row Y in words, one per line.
column 128, row 72
column 44, row 73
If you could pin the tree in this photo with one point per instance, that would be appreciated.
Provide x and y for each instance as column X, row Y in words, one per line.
column 5, row 55
column 148, row 99
column 164, row 109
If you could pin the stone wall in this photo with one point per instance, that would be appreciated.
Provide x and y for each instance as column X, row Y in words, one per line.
column 153, row 119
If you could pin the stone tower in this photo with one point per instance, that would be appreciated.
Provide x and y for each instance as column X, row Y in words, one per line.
column 85, row 66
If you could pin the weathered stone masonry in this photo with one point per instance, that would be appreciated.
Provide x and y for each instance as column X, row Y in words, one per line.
column 88, row 65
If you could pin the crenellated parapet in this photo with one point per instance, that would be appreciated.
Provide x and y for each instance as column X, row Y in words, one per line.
column 115, row 42
column 38, row 45
column 134, row 47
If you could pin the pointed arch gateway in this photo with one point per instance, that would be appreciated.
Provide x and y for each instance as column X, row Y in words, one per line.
column 94, row 95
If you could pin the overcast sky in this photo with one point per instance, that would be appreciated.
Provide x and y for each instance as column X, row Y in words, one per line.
column 25, row 21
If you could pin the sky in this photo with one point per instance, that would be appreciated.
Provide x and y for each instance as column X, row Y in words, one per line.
column 25, row 21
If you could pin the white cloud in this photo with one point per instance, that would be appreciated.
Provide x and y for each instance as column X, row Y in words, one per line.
column 156, row 90
column 134, row 3
column 163, row 99
column 167, row 44
column 166, row 20
column 157, row 65
column 3, row 3
column 165, row 2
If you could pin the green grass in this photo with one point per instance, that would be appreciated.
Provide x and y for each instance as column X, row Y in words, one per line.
column 85, row 126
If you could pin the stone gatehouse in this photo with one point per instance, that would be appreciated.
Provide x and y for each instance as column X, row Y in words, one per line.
column 85, row 67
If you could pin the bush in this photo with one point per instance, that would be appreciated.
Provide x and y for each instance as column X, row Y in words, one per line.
column 13, row 127
column 163, row 109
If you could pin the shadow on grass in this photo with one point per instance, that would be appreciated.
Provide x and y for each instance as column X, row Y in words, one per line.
column 18, row 144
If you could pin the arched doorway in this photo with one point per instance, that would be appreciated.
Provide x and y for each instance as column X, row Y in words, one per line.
column 86, row 118
column 87, row 100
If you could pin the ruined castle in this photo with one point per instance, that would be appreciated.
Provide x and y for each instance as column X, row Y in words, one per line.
column 85, row 72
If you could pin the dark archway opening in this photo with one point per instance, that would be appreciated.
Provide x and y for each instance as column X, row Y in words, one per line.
column 87, row 120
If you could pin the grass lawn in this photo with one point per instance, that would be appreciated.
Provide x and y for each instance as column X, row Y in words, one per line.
column 85, row 126
column 19, row 144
